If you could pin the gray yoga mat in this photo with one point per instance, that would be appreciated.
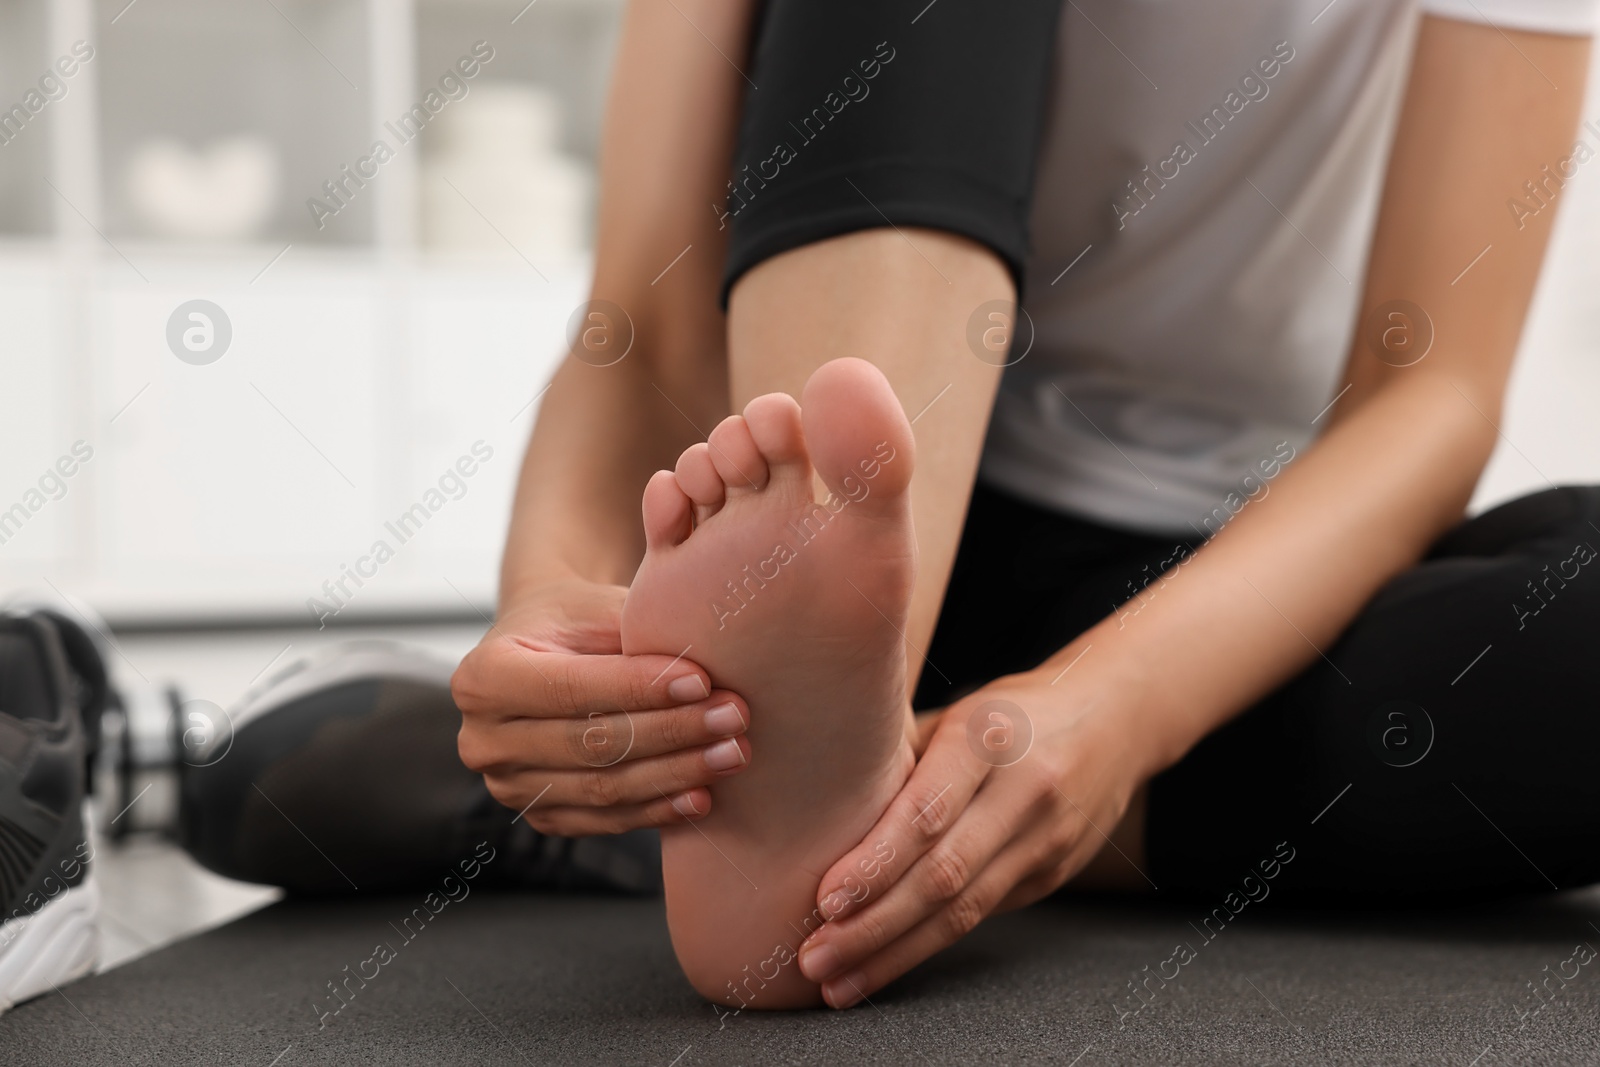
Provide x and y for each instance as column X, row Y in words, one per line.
column 548, row 979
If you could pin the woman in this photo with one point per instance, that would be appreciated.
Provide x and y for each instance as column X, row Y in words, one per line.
column 1211, row 610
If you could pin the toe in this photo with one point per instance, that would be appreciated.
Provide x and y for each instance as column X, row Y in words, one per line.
column 733, row 452
column 698, row 478
column 858, row 435
column 667, row 518
column 774, row 421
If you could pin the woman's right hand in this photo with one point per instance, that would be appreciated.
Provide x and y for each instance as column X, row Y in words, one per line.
column 582, row 739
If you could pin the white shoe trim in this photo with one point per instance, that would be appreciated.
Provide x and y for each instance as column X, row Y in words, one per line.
column 343, row 663
column 57, row 944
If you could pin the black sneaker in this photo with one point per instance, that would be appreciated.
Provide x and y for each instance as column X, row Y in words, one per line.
column 340, row 773
column 48, row 903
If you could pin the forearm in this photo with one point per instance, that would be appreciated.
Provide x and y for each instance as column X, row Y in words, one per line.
column 604, row 427
column 1273, row 591
column 1410, row 432
column 598, row 439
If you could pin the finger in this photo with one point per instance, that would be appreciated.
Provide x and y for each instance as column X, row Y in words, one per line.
column 939, row 931
column 939, row 789
column 509, row 679
column 688, row 806
column 599, row 740
column 942, row 875
column 1043, row 882
column 636, row 782
column 926, row 723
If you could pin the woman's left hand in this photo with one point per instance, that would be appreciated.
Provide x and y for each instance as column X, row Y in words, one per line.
column 1019, row 788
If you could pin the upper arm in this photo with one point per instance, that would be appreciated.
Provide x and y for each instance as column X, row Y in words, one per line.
column 1485, row 112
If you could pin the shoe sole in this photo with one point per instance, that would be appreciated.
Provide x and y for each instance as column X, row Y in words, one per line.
column 55, row 945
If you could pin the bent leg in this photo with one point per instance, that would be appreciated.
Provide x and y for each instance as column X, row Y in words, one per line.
column 1445, row 746
column 872, row 295
column 880, row 202
column 888, row 226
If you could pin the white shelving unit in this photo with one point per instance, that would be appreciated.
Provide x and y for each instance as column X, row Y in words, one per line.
column 361, row 366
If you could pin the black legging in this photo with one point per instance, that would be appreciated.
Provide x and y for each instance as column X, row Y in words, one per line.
column 1447, row 745
column 1448, row 742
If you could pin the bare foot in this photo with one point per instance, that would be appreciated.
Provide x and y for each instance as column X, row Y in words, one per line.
column 798, row 607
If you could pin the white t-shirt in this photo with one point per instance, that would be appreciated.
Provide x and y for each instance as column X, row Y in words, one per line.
column 1217, row 167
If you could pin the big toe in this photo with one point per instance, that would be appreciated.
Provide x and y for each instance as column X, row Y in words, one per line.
column 858, row 435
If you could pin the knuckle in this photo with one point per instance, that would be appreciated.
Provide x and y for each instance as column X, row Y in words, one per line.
column 661, row 813
column 623, row 821
column 635, row 690
column 1048, row 769
column 1042, row 798
column 962, row 914
column 1053, row 851
column 503, row 792
column 473, row 754
column 947, row 873
column 674, row 732
column 466, row 685
column 600, row 788
column 868, row 929
column 932, row 814
column 684, row 772
column 597, row 740
column 562, row 691
column 575, row 736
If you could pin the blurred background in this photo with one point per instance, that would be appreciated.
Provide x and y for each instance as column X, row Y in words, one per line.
column 257, row 340
column 367, row 354
column 373, row 355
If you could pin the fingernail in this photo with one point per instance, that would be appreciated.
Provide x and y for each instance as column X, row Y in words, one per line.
column 684, row 805
column 689, row 687
column 725, row 755
column 820, row 963
column 724, row 720
column 846, row 991
column 833, row 904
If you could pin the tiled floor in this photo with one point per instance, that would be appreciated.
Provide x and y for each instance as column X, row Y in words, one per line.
column 152, row 893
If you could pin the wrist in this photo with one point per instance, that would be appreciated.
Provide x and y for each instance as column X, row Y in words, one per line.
column 534, row 564
column 1093, row 678
column 528, row 587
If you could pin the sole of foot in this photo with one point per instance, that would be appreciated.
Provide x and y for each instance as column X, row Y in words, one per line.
column 799, row 605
